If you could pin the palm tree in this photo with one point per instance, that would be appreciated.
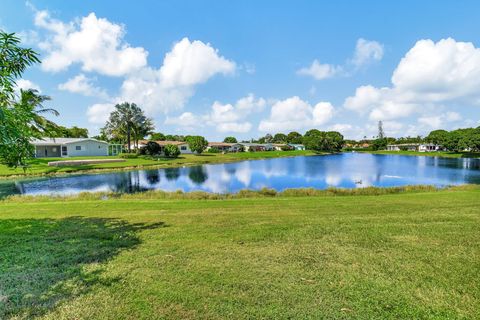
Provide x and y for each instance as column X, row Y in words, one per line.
column 31, row 101
column 128, row 118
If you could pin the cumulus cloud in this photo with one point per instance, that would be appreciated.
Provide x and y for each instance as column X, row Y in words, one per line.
column 431, row 76
column 367, row 51
column 320, row 71
column 439, row 121
column 223, row 117
column 294, row 113
column 83, row 85
column 188, row 64
column 192, row 62
column 99, row 113
column 95, row 43
column 98, row 45
column 186, row 119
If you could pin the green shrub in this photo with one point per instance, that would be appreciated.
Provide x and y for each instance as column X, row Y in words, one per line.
column 213, row 150
column 128, row 155
column 171, row 151
column 152, row 148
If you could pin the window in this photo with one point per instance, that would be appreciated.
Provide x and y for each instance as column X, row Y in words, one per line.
column 183, row 148
column 78, row 148
column 64, row 151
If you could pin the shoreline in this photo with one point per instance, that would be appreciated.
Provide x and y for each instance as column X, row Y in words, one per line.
column 242, row 194
column 81, row 171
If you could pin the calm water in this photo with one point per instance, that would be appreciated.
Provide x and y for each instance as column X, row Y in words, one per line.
column 348, row 170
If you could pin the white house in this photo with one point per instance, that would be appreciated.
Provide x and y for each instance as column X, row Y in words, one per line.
column 425, row 147
column 70, row 147
column 257, row 146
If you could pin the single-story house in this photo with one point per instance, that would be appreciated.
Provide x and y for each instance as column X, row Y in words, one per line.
column 282, row 146
column 421, row 147
column 70, row 147
column 297, row 146
column 257, row 146
column 220, row 146
column 183, row 146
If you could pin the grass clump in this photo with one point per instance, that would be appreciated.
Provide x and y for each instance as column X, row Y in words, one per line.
column 242, row 194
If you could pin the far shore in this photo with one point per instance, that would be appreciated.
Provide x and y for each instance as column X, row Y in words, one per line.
column 39, row 167
column 442, row 154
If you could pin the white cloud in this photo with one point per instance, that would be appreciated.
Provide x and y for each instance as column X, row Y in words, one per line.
column 431, row 76
column 95, row 43
column 320, row 71
column 83, row 85
column 238, row 127
column 192, row 62
column 99, row 113
column 439, row 121
column 187, row 65
column 27, row 84
column 294, row 113
column 186, row 119
column 224, row 117
column 367, row 51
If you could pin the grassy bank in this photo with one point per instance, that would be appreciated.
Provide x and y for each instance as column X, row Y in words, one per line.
column 40, row 166
column 444, row 154
column 393, row 256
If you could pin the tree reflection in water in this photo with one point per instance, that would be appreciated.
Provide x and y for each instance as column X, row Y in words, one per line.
column 198, row 175
column 172, row 174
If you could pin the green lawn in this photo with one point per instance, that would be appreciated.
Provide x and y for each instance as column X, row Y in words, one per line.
column 40, row 166
column 397, row 256
column 444, row 154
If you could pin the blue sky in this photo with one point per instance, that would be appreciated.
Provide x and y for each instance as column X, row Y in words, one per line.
column 248, row 68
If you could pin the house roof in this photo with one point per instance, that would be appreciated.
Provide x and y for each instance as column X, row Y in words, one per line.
column 220, row 144
column 61, row 141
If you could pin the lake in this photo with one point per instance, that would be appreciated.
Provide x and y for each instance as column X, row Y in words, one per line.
column 347, row 170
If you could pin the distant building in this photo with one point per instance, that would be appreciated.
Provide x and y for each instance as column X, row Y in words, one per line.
column 297, row 146
column 182, row 145
column 421, row 147
column 257, row 146
column 70, row 147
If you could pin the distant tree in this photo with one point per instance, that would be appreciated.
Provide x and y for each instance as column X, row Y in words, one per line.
column 152, row 148
column 331, row 141
column 197, row 143
column 335, row 141
column 280, row 138
column 170, row 137
column 439, row 137
column 73, row 132
column 294, row 137
column 157, row 136
column 230, row 140
column 127, row 121
column 268, row 138
column 379, row 144
column 171, row 151
column 102, row 136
